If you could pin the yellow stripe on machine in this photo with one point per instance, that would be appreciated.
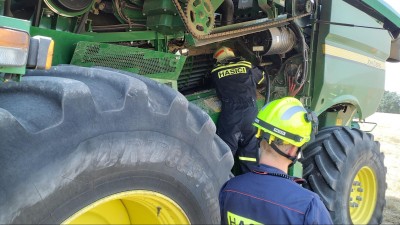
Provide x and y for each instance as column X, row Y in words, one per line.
column 50, row 52
column 349, row 55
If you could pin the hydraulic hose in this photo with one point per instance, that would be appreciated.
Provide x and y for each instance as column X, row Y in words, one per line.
column 38, row 10
column 7, row 8
column 304, row 47
column 116, row 27
column 267, row 84
column 268, row 87
column 81, row 26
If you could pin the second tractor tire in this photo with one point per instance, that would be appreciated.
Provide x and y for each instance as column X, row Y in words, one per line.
column 346, row 168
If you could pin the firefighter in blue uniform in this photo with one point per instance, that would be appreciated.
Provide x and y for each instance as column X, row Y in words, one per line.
column 268, row 195
column 236, row 83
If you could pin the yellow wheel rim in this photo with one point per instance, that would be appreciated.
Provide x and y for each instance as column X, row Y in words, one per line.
column 132, row 207
column 363, row 196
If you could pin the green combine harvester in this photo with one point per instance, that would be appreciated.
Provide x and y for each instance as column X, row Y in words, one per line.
column 107, row 111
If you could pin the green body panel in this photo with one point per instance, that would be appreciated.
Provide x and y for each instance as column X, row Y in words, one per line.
column 15, row 24
column 162, row 16
column 385, row 9
column 53, row 21
column 16, row 70
column 296, row 170
column 339, row 76
column 208, row 102
column 338, row 118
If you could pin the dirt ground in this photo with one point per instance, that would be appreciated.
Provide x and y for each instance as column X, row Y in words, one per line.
column 387, row 133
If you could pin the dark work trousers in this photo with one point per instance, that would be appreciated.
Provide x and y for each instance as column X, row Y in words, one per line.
column 235, row 127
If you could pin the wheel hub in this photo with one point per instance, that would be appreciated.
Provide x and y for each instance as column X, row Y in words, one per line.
column 132, row 207
column 363, row 196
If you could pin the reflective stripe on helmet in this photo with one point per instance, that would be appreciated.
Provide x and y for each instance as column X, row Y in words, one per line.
column 223, row 53
column 222, row 50
column 219, row 53
column 278, row 131
column 291, row 111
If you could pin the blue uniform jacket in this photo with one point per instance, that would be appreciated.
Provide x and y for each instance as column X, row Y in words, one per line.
column 236, row 80
column 255, row 198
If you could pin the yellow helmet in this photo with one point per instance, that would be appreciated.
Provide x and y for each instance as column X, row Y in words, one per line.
column 223, row 53
column 288, row 120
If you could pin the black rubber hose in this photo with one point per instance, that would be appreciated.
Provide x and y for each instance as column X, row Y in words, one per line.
column 82, row 23
column 7, row 8
column 36, row 20
column 304, row 47
column 267, row 84
column 267, row 87
column 116, row 27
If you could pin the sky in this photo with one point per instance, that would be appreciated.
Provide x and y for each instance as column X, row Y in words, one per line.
column 392, row 79
column 392, row 82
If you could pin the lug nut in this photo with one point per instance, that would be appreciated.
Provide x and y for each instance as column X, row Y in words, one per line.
column 353, row 205
column 359, row 198
column 360, row 189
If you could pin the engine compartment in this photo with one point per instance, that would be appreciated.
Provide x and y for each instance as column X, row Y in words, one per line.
column 280, row 50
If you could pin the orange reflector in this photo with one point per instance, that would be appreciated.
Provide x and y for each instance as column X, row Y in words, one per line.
column 14, row 39
column 14, row 47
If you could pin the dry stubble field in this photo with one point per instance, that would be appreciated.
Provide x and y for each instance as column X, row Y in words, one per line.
column 388, row 134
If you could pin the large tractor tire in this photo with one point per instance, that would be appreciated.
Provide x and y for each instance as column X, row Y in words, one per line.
column 95, row 146
column 345, row 167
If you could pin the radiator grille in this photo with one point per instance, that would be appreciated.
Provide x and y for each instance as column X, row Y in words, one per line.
column 153, row 64
column 195, row 73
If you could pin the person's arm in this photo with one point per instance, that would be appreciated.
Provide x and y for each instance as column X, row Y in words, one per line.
column 259, row 76
column 317, row 213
